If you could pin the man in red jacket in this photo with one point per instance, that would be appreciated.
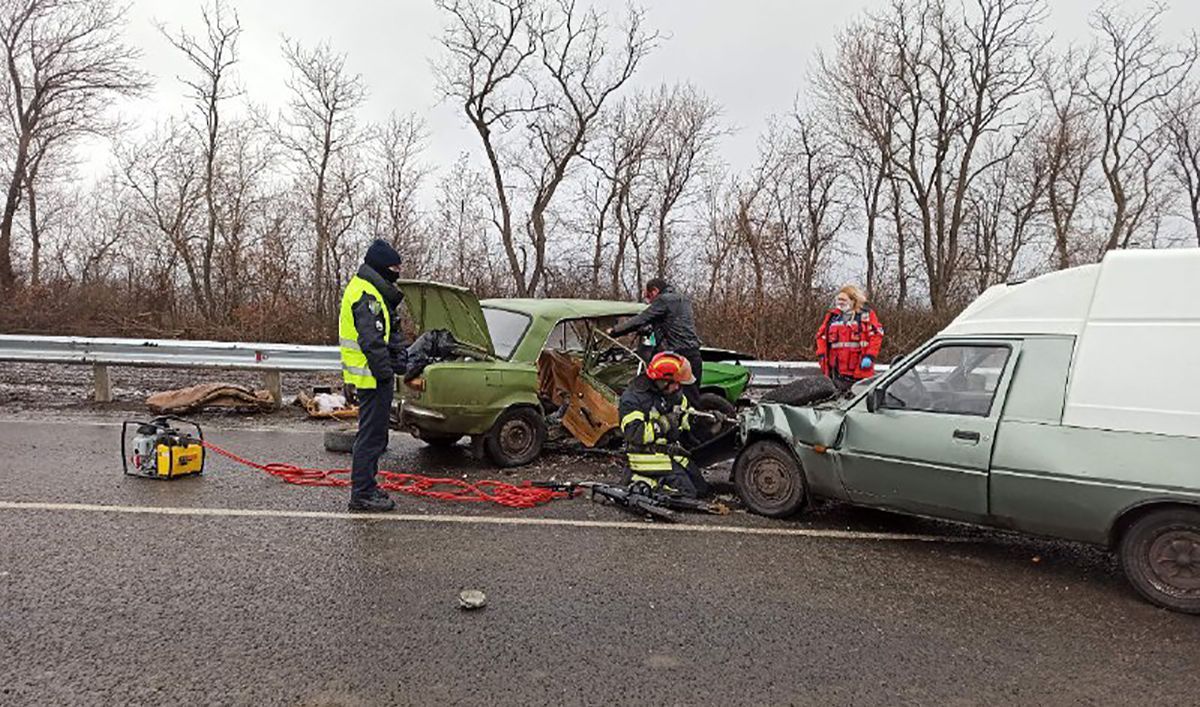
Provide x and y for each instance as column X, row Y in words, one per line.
column 849, row 339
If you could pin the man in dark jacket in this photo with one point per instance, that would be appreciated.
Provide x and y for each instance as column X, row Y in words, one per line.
column 373, row 353
column 670, row 318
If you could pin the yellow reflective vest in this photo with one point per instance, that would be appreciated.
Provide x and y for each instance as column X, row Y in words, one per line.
column 355, row 370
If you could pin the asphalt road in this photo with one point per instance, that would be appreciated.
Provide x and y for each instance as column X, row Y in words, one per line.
column 235, row 588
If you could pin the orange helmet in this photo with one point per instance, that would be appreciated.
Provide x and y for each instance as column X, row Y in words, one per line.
column 670, row 367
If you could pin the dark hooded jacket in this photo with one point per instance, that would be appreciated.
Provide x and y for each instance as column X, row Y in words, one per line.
column 670, row 316
column 388, row 357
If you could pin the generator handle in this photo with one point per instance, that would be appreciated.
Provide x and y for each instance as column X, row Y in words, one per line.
column 190, row 423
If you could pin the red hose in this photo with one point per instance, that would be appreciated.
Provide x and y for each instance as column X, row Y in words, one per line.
column 513, row 496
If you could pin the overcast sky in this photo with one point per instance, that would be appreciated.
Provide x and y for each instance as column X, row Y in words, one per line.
column 750, row 55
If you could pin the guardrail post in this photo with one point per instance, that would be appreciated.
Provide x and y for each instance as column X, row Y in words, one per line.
column 273, row 381
column 103, row 383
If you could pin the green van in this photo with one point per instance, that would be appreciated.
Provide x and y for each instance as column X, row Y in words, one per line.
column 1064, row 406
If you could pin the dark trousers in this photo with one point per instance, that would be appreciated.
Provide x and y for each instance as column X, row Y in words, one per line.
column 693, row 391
column 374, row 421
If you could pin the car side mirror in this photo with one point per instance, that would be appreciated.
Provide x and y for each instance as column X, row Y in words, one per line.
column 875, row 399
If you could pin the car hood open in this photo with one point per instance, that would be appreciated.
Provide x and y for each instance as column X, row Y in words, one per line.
column 435, row 305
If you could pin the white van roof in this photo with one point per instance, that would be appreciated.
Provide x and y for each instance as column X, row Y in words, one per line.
column 1128, row 284
column 1136, row 319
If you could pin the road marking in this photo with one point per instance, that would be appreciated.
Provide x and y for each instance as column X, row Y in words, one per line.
column 479, row 520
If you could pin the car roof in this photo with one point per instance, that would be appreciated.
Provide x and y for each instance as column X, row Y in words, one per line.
column 565, row 308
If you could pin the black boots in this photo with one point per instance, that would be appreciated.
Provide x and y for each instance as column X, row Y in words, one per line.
column 375, row 502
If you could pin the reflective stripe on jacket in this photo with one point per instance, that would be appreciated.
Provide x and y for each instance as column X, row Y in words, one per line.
column 641, row 404
column 844, row 338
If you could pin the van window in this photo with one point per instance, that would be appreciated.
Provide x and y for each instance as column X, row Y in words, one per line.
column 506, row 328
column 959, row 379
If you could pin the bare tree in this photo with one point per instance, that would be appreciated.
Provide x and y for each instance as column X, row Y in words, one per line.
column 1182, row 122
column 962, row 83
column 212, row 55
column 684, row 150
column 1136, row 75
column 545, row 71
column 1002, row 214
column 65, row 62
column 321, row 133
column 858, row 97
column 1068, row 142
column 398, row 176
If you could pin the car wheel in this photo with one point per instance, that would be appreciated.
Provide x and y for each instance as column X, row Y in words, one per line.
column 340, row 440
column 704, row 430
column 769, row 479
column 517, row 437
column 1160, row 555
column 805, row 391
column 441, row 441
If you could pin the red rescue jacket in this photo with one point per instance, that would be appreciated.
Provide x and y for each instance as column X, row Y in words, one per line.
column 844, row 339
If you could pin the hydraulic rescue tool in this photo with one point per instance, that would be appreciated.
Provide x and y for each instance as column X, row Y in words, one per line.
column 160, row 450
column 636, row 498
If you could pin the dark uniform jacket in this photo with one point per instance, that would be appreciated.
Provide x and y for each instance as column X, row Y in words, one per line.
column 387, row 357
column 643, row 396
column 670, row 315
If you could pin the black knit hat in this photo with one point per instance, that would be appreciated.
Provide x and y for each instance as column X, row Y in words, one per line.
column 381, row 256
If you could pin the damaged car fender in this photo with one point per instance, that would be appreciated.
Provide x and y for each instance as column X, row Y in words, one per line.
column 811, row 433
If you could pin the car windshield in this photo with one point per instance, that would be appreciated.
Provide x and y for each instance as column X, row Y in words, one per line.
column 506, row 329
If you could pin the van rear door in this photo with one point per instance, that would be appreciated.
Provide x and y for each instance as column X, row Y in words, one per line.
column 927, row 445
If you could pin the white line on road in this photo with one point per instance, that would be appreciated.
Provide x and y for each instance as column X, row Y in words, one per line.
column 477, row 520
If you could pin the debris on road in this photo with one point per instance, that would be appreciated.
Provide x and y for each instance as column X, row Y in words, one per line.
column 471, row 599
column 323, row 404
column 210, row 395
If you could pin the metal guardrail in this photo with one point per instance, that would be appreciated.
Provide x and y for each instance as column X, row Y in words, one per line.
column 271, row 359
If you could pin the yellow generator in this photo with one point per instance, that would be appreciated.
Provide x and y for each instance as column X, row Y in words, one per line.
column 159, row 450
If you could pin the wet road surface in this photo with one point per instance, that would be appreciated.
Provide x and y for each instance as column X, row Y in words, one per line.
column 235, row 588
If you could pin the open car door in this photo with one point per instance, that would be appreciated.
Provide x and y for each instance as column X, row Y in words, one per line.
column 588, row 386
column 435, row 305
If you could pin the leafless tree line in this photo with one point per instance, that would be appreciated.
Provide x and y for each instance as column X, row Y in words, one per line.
column 939, row 149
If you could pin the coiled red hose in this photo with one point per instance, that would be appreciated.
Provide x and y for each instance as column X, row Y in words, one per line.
column 524, row 495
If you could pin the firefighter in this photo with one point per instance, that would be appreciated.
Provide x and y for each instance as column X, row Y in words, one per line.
column 672, row 325
column 655, row 421
column 373, row 353
column 849, row 339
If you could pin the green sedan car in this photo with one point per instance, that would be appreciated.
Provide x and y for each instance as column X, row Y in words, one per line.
column 494, row 393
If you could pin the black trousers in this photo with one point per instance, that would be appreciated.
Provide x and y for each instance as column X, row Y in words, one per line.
column 374, row 421
column 693, row 391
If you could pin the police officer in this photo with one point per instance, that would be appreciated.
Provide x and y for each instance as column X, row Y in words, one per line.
column 673, row 324
column 655, row 420
column 373, row 353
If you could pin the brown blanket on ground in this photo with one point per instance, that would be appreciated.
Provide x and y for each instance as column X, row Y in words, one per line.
column 210, row 395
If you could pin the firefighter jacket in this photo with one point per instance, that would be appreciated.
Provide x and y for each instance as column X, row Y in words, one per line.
column 845, row 338
column 670, row 316
column 369, row 336
column 642, row 404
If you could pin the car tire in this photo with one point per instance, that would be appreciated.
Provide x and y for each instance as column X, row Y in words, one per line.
column 1160, row 555
column 805, row 391
column 704, row 430
column 340, row 440
column 769, row 479
column 517, row 437
column 440, row 441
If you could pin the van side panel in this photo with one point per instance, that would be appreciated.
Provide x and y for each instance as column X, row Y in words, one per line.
column 1135, row 361
column 1039, row 384
column 1074, row 482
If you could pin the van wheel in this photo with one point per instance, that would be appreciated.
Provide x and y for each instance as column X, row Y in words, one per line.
column 769, row 480
column 517, row 437
column 1160, row 555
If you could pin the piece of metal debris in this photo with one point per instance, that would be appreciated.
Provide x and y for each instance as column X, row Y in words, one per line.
column 471, row 599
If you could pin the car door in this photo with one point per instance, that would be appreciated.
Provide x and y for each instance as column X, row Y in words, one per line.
column 924, row 443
